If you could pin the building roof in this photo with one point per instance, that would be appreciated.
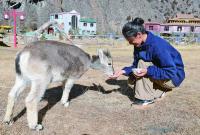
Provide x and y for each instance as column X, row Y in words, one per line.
column 88, row 20
column 184, row 20
column 185, row 16
column 192, row 20
column 70, row 12
column 73, row 12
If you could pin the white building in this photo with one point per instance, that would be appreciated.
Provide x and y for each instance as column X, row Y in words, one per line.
column 87, row 26
column 72, row 21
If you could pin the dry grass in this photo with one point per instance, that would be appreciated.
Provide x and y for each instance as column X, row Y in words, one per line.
column 106, row 109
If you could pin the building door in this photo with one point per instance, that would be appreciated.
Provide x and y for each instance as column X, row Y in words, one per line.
column 74, row 22
column 150, row 27
column 179, row 28
column 192, row 28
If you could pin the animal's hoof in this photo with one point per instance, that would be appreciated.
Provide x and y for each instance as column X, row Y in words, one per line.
column 38, row 127
column 8, row 122
column 66, row 104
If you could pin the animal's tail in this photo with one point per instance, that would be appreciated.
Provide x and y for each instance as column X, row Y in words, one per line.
column 17, row 66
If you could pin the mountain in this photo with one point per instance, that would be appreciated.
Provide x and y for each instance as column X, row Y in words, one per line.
column 110, row 14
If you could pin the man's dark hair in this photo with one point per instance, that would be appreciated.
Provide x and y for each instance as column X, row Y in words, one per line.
column 131, row 29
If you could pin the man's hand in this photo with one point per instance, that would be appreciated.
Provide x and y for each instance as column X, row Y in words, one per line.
column 141, row 73
column 117, row 74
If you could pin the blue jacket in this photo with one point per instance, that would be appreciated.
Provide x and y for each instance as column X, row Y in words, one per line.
column 167, row 61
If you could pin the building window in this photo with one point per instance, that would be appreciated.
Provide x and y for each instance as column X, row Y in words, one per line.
column 70, row 23
column 192, row 28
column 52, row 17
column 91, row 24
column 84, row 24
column 166, row 28
column 88, row 31
column 60, row 16
column 74, row 21
column 179, row 28
column 56, row 16
column 150, row 27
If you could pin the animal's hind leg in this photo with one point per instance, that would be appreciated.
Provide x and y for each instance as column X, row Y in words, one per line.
column 37, row 90
column 65, row 97
column 18, row 87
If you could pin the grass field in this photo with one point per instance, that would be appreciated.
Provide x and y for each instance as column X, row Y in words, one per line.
column 100, row 108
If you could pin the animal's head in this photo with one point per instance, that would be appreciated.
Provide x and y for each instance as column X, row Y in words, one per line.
column 103, row 61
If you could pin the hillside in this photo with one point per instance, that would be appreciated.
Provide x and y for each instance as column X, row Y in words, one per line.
column 110, row 14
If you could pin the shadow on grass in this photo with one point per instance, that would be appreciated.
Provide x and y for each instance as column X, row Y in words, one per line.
column 53, row 95
column 3, row 44
column 124, row 88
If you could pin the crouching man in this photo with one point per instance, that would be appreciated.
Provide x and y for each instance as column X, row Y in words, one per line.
column 157, row 65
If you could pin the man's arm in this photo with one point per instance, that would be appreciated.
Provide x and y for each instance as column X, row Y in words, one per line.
column 167, row 69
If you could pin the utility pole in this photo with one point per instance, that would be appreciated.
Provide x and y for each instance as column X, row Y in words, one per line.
column 13, row 13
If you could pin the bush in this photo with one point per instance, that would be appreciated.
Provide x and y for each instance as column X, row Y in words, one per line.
column 43, row 37
column 2, row 31
column 24, row 30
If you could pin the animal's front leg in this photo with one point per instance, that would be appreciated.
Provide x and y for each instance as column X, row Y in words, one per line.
column 65, row 97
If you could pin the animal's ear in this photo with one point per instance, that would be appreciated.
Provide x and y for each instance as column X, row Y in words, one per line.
column 100, row 53
column 107, row 53
column 95, row 58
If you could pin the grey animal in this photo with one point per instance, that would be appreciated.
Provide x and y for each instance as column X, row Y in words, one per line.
column 44, row 62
